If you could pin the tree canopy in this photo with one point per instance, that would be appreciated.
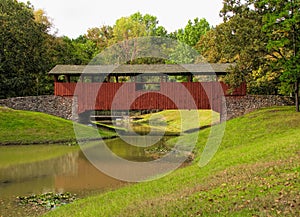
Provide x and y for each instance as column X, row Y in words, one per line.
column 193, row 31
column 261, row 37
column 22, row 45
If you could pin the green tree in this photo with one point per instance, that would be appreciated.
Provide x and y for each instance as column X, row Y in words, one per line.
column 22, row 48
column 184, row 52
column 79, row 51
column 125, row 33
column 262, row 37
column 207, row 46
column 127, row 28
column 241, row 39
column 151, row 23
column 193, row 31
column 281, row 23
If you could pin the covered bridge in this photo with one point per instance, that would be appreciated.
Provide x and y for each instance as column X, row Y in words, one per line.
column 144, row 87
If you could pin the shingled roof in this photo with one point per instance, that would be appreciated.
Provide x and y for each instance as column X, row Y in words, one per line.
column 132, row 70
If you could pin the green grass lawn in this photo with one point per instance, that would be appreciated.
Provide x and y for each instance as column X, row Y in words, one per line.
column 176, row 121
column 23, row 127
column 254, row 173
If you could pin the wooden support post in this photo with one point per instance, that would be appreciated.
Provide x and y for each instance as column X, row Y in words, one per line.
column 190, row 78
column 68, row 78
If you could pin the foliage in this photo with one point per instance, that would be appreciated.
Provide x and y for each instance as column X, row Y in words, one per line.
column 185, row 52
column 41, row 17
column 182, row 54
column 207, row 46
column 30, row 48
column 262, row 37
column 281, row 23
column 255, row 171
column 242, row 40
column 22, row 46
column 193, row 31
column 127, row 28
column 100, row 36
column 151, row 24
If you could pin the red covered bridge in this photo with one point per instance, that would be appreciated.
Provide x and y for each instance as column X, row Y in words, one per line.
column 144, row 87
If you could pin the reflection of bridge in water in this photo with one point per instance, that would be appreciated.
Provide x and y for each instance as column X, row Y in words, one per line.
column 71, row 172
column 144, row 87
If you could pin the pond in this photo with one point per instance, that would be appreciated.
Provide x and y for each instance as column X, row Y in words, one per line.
column 72, row 173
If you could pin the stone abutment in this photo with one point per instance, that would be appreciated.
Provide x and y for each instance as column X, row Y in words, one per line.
column 62, row 106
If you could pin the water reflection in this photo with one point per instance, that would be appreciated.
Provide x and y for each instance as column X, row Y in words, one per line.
column 71, row 172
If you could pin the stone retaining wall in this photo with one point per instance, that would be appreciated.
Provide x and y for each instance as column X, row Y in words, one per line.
column 53, row 105
column 62, row 106
column 238, row 106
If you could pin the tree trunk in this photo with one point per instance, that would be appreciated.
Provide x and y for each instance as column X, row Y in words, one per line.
column 297, row 95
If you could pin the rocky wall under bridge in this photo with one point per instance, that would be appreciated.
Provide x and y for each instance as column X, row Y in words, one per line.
column 62, row 106
column 53, row 105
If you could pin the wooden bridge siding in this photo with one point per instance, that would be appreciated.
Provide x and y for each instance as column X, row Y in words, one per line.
column 119, row 96
column 64, row 89
column 89, row 98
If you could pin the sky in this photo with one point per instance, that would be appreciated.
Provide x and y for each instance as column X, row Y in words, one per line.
column 73, row 18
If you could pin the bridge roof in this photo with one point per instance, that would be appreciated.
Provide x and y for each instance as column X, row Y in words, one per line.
column 132, row 70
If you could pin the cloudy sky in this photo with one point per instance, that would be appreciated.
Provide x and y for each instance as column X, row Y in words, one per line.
column 73, row 17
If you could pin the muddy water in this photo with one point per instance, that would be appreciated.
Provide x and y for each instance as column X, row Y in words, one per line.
column 69, row 173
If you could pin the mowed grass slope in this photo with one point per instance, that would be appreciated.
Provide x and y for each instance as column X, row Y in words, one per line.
column 254, row 173
column 25, row 127
column 176, row 121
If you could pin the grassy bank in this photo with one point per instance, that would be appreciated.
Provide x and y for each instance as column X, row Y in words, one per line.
column 24, row 127
column 172, row 121
column 254, row 173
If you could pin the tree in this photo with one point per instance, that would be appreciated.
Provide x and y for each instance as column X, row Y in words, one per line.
column 151, row 24
column 264, row 42
column 100, row 36
column 193, row 31
column 123, row 39
column 22, row 48
column 79, row 51
column 127, row 28
column 184, row 52
column 207, row 46
column 41, row 17
column 281, row 23
column 241, row 39
column 125, row 34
